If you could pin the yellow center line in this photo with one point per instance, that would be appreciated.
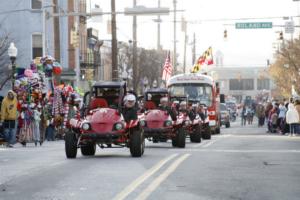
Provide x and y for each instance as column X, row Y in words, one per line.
column 137, row 182
column 146, row 193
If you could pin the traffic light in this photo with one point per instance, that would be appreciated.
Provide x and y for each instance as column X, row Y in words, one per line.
column 281, row 35
column 225, row 34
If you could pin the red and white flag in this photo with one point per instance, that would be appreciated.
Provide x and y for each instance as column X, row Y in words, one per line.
column 167, row 70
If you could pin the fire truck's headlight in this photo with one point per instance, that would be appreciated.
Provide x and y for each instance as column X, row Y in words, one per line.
column 86, row 126
column 143, row 123
column 186, row 123
column 168, row 123
column 118, row 126
column 211, row 113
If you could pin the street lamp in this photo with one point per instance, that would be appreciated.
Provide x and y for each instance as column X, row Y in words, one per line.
column 154, row 84
column 124, row 76
column 145, row 81
column 142, row 10
column 12, row 53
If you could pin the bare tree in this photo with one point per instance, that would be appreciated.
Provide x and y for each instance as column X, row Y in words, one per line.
column 150, row 65
column 5, row 72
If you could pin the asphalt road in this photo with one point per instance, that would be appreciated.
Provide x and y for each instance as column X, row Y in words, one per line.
column 241, row 163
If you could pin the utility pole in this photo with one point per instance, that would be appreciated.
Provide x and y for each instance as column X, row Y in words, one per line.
column 184, row 52
column 184, row 29
column 44, row 31
column 134, row 50
column 174, row 51
column 194, row 49
column 158, row 28
column 114, row 50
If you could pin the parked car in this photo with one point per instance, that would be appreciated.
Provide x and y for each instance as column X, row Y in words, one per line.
column 225, row 115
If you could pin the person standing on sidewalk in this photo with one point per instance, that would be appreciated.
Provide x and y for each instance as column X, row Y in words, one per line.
column 36, row 127
column 281, row 117
column 243, row 115
column 260, row 112
column 297, row 106
column 9, row 117
column 292, row 118
column 268, row 109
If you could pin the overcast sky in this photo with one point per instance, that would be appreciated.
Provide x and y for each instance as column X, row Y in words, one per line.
column 242, row 47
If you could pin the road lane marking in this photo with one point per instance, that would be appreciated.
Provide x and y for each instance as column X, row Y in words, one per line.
column 255, row 151
column 145, row 193
column 137, row 182
column 226, row 135
column 200, row 144
column 209, row 143
column 237, row 150
column 266, row 136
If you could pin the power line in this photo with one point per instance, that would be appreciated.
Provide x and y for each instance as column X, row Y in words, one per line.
column 239, row 19
column 214, row 20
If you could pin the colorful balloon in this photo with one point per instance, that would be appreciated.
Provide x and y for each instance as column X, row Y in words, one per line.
column 57, row 70
column 28, row 73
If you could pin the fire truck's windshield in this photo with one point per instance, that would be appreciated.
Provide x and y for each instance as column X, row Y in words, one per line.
column 201, row 93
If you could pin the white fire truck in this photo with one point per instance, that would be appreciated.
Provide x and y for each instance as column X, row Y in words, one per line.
column 201, row 89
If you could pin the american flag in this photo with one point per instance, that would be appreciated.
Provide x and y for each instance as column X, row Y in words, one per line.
column 167, row 71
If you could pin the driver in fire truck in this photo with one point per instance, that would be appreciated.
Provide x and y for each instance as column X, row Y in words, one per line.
column 164, row 105
column 184, row 109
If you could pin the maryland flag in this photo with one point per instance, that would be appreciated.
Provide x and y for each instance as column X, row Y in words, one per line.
column 198, row 65
column 205, row 58
column 209, row 57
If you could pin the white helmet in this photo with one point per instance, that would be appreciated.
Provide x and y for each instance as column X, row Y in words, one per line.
column 129, row 97
column 129, row 100
column 163, row 99
column 183, row 103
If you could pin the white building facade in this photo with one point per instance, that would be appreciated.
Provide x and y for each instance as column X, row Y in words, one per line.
column 242, row 82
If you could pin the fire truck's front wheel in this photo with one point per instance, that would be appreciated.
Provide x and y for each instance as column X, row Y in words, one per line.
column 70, row 145
column 196, row 135
column 181, row 138
column 137, row 143
column 207, row 134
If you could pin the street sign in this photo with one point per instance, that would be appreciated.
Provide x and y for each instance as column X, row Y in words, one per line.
column 98, row 18
column 142, row 10
column 289, row 27
column 253, row 25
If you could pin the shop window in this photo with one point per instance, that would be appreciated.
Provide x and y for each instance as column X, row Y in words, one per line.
column 37, row 45
column 241, row 84
column 263, row 84
column 36, row 4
